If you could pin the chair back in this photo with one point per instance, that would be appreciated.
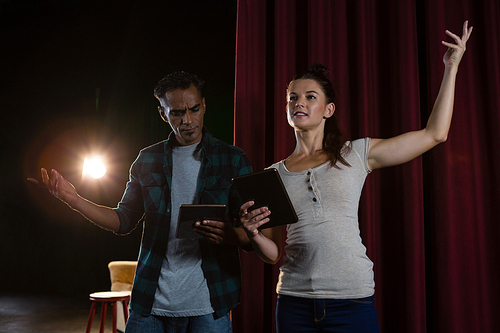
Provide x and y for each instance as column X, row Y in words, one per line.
column 122, row 275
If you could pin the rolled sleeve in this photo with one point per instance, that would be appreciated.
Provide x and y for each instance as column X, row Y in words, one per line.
column 130, row 209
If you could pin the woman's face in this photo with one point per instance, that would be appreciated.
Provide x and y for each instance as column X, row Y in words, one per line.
column 306, row 105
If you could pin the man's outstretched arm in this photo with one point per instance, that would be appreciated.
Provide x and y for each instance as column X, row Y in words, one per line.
column 103, row 216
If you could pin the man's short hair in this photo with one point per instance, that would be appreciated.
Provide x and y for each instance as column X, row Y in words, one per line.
column 178, row 80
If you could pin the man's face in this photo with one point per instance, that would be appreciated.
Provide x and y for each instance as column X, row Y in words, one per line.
column 184, row 111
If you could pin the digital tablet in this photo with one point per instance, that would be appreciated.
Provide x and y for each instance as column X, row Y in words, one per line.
column 266, row 188
column 189, row 214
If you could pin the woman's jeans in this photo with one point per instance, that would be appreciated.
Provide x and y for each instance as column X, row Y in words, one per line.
column 158, row 324
column 297, row 314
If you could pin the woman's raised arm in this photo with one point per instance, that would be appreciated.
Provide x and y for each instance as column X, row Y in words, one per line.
column 407, row 146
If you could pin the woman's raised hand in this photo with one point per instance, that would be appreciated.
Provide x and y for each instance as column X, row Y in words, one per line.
column 456, row 50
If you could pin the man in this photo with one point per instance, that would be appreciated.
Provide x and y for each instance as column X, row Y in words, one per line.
column 181, row 285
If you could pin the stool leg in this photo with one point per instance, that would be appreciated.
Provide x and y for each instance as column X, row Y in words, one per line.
column 103, row 316
column 91, row 317
column 125, row 311
column 113, row 304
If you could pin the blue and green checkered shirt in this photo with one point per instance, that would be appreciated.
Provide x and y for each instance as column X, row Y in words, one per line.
column 147, row 198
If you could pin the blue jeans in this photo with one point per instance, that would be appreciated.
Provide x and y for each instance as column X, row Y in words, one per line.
column 297, row 314
column 159, row 324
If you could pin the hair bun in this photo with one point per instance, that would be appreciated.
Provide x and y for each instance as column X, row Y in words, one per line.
column 319, row 68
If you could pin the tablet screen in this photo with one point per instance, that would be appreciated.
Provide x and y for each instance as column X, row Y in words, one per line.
column 266, row 188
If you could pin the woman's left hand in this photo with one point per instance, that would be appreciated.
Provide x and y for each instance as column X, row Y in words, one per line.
column 455, row 52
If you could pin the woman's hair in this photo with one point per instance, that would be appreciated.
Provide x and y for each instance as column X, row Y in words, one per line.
column 334, row 145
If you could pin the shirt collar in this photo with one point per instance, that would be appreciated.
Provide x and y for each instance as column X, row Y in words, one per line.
column 204, row 144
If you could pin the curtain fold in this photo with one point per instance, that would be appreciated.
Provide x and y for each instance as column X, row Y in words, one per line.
column 430, row 225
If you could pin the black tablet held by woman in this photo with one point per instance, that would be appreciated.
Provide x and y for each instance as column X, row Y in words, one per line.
column 266, row 188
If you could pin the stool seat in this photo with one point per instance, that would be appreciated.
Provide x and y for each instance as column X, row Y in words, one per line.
column 104, row 298
column 106, row 295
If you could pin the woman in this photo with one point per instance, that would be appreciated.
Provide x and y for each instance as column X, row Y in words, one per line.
column 326, row 279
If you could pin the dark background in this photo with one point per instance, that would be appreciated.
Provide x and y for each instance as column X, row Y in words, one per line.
column 77, row 78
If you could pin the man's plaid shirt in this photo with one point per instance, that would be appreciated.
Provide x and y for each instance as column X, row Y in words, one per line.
column 147, row 198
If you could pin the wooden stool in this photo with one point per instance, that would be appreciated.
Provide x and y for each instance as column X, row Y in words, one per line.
column 105, row 298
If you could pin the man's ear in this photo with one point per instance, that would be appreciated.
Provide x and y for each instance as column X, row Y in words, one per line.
column 163, row 116
column 204, row 105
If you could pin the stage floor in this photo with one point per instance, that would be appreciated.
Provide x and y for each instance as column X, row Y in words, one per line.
column 20, row 314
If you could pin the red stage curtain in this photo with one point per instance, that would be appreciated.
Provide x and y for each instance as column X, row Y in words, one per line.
column 431, row 225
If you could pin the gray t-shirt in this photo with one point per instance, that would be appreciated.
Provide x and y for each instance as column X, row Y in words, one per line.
column 182, row 288
column 324, row 255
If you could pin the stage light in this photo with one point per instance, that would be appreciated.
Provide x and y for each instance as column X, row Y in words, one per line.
column 94, row 167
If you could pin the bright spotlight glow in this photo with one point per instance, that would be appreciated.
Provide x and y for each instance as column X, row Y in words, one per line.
column 94, row 167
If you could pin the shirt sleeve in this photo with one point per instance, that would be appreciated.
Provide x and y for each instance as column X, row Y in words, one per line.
column 130, row 209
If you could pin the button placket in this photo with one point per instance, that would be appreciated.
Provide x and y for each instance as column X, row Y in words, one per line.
column 314, row 194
